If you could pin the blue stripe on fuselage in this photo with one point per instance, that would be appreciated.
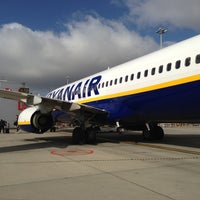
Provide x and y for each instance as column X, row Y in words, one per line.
column 176, row 103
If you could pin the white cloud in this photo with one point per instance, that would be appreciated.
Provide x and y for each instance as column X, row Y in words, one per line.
column 44, row 59
column 177, row 13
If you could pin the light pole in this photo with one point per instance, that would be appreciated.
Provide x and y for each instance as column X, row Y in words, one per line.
column 67, row 77
column 161, row 31
column 2, row 81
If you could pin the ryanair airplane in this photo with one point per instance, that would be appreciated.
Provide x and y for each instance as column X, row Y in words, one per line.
column 163, row 86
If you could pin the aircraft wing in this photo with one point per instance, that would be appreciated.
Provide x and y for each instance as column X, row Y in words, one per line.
column 50, row 104
column 7, row 94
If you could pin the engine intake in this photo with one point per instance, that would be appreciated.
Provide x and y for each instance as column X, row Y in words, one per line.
column 42, row 122
column 33, row 120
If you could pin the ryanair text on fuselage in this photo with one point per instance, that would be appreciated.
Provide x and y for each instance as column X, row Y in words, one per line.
column 82, row 89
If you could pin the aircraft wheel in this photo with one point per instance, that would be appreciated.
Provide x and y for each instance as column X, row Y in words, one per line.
column 147, row 135
column 155, row 133
column 159, row 133
column 91, row 134
column 78, row 135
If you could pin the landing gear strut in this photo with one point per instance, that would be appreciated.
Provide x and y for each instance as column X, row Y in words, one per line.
column 81, row 135
column 153, row 132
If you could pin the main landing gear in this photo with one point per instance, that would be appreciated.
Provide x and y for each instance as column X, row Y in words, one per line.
column 81, row 135
column 153, row 132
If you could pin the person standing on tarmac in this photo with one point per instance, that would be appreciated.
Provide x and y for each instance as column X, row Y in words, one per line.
column 2, row 125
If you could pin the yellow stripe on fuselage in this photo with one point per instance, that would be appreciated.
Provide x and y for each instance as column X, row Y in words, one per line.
column 145, row 89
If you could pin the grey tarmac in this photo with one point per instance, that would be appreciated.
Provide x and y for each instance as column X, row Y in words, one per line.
column 124, row 167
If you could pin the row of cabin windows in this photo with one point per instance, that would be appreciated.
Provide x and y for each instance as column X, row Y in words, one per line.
column 152, row 72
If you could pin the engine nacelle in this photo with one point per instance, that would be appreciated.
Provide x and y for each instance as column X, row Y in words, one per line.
column 32, row 120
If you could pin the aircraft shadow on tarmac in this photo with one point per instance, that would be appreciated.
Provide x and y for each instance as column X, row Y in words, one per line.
column 40, row 143
column 189, row 140
column 186, row 140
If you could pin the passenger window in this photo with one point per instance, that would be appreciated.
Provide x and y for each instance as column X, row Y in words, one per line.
column 187, row 61
column 169, row 67
column 106, row 83
column 132, row 77
column 153, row 71
column 198, row 59
column 138, row 75
column 103, row 85
column 160, row 69
column 126, row 78
column 120, row 80
column 116, row 81
column 111, row 82
column 146, row 73
column 178, row 64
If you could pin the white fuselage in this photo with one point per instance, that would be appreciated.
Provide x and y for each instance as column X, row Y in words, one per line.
column 157, row 81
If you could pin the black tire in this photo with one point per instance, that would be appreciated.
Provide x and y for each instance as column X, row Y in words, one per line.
column 159, row 133
column 155, row 133
column 91, row 135
column 147, row 135
column 77, row 135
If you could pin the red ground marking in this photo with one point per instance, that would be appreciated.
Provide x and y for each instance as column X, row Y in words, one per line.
column 72, row 152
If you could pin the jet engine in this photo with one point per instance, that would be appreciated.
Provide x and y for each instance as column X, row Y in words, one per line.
column 35, row 121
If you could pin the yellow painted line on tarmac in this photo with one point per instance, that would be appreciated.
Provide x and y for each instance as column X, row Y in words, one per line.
column 166, row 148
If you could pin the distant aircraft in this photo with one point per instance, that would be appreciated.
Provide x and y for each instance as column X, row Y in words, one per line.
column 163, row 86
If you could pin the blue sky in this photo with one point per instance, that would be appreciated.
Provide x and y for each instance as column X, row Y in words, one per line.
column 52, row 14
column 42, row 42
